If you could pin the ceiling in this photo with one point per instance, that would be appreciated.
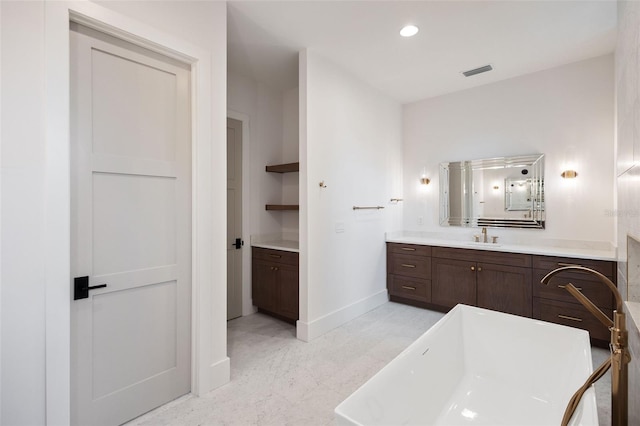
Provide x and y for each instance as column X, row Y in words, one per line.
column 515, row 37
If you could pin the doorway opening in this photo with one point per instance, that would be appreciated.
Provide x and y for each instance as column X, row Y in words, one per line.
column 235, row 242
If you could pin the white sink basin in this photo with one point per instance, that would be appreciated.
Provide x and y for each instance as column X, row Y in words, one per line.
column 473, row 243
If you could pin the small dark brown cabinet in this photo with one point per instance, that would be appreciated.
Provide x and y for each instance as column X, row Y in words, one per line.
column 275, row 283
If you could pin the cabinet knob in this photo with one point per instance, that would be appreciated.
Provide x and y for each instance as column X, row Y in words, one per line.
column 479, row 269
column 473, row 268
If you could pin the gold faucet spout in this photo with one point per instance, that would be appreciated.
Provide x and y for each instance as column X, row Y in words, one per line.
column 606, row 281
column 620, row 356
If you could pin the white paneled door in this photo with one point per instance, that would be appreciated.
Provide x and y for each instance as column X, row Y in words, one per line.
column 234, row 218
column 131, row 229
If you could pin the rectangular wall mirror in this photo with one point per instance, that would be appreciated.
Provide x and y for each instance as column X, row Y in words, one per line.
column 504, row 192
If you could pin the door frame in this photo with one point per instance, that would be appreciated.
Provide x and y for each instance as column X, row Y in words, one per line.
column 247, row 305
column 210, row 364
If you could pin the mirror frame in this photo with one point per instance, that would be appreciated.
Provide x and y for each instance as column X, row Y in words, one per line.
column 464, row 192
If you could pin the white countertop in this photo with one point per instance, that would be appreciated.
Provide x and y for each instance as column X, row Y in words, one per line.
column 588, row 251
column 285, row 245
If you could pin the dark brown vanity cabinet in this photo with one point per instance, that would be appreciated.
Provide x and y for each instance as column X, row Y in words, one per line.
column 441, row 277
column 275, row 282
column 492, row 280
column 554, row 304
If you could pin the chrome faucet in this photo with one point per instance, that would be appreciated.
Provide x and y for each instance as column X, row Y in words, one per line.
column 484, row 235
column 619, row 358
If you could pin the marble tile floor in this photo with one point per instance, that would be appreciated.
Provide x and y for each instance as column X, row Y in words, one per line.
column 279, row 380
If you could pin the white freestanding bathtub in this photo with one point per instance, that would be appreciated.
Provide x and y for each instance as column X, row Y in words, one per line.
column 479, row 367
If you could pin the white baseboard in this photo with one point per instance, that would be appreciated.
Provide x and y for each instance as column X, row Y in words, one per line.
column 220, row 373
column 308, row 331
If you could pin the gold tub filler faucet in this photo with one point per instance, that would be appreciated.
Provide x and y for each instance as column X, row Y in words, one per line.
column 619, row 358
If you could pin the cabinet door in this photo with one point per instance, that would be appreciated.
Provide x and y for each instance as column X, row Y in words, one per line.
column 264, row 285
column 505, row 289
column 288, row 299
column 453, row 282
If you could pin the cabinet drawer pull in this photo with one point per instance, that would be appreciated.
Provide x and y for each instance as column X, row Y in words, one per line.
column 408, row 249
column 407, row 265
column 473, row 268
column 408, row 287
column 562, row 264
column 569, row 318
column 275, row 256
column 564, row 286
column 274, row 268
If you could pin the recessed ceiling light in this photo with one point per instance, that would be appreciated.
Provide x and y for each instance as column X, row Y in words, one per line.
column 409, row 31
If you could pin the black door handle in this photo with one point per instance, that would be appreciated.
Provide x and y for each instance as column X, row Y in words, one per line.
column 81, row 287
column 239, row 243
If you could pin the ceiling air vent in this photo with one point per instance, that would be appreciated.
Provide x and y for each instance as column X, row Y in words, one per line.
column 477, row 70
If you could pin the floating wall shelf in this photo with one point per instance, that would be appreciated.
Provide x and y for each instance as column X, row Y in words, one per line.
column 284, row 168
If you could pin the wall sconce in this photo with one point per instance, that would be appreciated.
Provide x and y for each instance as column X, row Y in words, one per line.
column 569, row 174
column 496, row 187
column 425, row 181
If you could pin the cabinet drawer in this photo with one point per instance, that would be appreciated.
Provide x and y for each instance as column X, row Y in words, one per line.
column 571, row 315
column 410, row 266
column 596, row 291
column 485, row 256
column 410, row 288
column 548, row 264
column 413, row 249
column 280, row 256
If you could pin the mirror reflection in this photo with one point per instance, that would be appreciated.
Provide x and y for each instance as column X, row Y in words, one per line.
column 498, row 192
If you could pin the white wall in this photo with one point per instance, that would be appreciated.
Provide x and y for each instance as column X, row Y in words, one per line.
column 23, row 189
column 350, row 138
column 290, row 154
column 263, row 105
column 23, row 185
column 627, row 70
column 565, row 113
column 628, row 140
